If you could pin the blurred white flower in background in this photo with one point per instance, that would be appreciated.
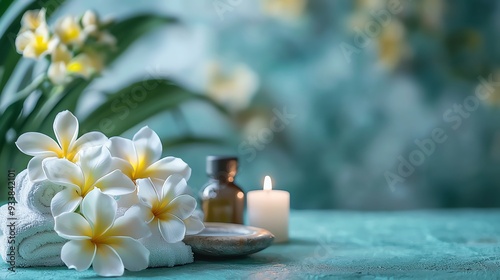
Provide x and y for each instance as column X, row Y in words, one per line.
column 92, row 27
column 392, row 46
column 35, row 43
column 284, row 9
column 63, row 65
column 68, row 30
column 233, row 87
column 31, row 20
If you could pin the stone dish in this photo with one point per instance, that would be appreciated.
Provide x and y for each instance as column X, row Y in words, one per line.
column 229, row 240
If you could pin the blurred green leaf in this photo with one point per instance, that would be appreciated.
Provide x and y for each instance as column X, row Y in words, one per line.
column 130, row 29
column 169, row 143
column 124, row 109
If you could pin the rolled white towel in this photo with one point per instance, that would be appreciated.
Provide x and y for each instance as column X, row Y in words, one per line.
column 163, row 254
column 36, row 242
column 36, row 196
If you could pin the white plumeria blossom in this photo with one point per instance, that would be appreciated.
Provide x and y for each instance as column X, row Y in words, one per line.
column 33, row 19
column 97, row 239
column 41, row 146
column 167, row 208
column 69, row 31
column 233, row 88
column 35, row 43
column 140, row 157
column 63, row 65
column 95, row 169
column 90, row 22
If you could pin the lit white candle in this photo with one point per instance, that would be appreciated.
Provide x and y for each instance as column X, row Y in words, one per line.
column 269, row 209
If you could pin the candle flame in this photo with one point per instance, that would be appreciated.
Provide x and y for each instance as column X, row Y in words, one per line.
column 268, row 185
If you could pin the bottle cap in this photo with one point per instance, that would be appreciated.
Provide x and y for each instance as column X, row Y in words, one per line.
column 222, row 166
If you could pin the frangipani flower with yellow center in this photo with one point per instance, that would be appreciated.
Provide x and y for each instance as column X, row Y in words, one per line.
column 91, row 26
column 69, row 31
column 33, row 19
column 95, row 169
column 63, row 66
column 35, row 43
column 167, row 208
column 97, row 239
column 141, row 156
column 40, row 146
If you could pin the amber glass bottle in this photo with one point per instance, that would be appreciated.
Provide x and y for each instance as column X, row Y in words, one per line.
column 222, row 200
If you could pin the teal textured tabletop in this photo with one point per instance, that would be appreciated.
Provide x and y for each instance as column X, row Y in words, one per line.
column 329, row 244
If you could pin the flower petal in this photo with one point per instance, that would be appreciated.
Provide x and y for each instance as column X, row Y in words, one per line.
column 100, row 211
column 166, row 167
column 182, row 206
column 95, row 162
column 35, row 169
column 122, row 148
column 129, row 225
column 194, row 225
column 64, row 201
column 174, row 186
column 115, row 183
column 57, row 73
column 78, row 254
column 128, row 200
column 147, row 192
column 134, row 255
column 72, row 226
column 23, row 39
column 172, row 229
column 66, row 129
column 147, row 146
column 107, row 262
column 90, row 139
column 63, row 172
column 142, row 212
column 123, row 165
column 37, row 144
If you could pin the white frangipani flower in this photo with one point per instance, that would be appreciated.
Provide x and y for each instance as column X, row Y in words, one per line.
column 63, row 65
column 167, row 208
column 95, row 169
column 90, row 22
column 35, row 43
column 140, row 157
column 69, row 31
column 33, row 19
column 233, row 88
column 97, row 239
column 40, row 146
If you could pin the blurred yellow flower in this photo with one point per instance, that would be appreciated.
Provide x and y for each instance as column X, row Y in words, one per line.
column 69, row 31
column 392, row 45
column 63, row 65
column 31, row 20
column 35, row 44
column 286, row 9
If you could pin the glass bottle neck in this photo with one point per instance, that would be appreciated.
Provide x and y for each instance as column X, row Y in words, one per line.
column 223, row 179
